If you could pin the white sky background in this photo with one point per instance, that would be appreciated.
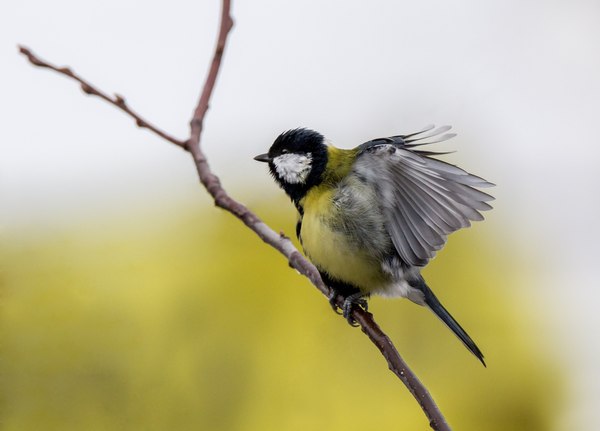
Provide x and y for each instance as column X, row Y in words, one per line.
column 519, row 81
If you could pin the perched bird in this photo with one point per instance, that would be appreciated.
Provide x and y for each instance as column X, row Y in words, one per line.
column 372, row 217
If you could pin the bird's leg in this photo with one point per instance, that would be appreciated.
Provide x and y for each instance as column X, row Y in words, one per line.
column 351, row 295
column 333, row 302
column 350, row 301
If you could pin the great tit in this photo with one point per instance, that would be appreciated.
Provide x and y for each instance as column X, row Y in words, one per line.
column 370, row 218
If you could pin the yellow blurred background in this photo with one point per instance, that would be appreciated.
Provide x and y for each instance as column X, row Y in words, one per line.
column 127, row 301
column 190, row 322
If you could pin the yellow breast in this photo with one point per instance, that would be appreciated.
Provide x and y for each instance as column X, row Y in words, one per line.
column 330, row 249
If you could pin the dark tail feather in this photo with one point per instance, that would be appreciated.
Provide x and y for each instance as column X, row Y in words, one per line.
column 434, row 304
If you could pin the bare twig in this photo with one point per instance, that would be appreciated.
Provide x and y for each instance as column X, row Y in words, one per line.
column 116, row 100
column 279, row 241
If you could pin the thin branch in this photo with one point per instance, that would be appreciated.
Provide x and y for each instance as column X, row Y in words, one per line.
column 116, row 100
column 278, row 241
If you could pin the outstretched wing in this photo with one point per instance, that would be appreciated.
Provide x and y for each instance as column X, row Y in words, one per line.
column 423, row 199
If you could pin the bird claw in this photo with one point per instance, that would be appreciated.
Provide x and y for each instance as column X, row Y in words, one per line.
column 333, row 303
column 358, row 299
column 349, row 303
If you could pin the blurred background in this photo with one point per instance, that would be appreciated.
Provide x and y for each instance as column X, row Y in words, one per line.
column 129, row 302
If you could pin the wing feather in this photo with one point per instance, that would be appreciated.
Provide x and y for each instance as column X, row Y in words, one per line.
column 428, row 236
column 423, row 199
column 418, row 137
column 451, row 216
column 436, row 219
column 454, row 194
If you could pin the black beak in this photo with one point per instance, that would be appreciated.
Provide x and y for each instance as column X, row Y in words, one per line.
column 262, row 158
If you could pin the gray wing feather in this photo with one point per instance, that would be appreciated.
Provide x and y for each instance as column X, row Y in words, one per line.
column 420, row 136
column 423, row 199
column 452, row 220
column 423, row 130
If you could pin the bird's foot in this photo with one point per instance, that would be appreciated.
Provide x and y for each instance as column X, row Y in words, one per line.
column 350, row 302
column 333, row 302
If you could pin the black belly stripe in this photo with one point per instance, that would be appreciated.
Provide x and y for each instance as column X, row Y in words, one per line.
column 340, row 287
column 298, row 229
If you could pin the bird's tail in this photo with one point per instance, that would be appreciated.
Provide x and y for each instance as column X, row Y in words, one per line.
column 434, row 304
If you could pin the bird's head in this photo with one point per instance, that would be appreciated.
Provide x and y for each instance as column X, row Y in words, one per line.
column 297, row 160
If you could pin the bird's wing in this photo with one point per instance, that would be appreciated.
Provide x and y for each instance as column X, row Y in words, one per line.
column 423, row 199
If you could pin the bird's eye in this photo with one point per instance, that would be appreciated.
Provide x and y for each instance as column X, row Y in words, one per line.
column 284, row 151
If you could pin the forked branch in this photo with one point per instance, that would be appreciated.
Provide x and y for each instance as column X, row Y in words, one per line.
column 279, row 241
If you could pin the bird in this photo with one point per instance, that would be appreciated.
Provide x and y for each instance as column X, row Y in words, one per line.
column 372, row 217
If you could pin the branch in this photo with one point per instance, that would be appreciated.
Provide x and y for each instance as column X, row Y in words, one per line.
column 278, row 241
column 116, row 100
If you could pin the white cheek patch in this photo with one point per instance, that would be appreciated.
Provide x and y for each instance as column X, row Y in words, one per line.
column 293, row 168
